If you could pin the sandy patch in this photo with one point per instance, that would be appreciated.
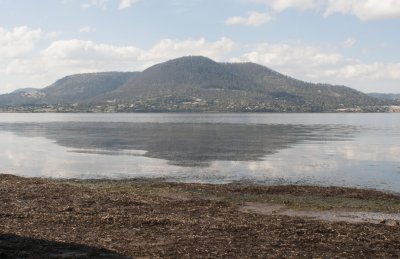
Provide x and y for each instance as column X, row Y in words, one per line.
column 334, row 215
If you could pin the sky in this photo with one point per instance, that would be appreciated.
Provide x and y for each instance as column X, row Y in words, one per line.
column 347, row 42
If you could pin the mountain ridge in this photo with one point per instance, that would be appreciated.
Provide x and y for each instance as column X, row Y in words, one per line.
column 386, row 96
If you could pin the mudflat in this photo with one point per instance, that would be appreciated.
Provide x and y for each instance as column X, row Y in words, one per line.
column 42, row 218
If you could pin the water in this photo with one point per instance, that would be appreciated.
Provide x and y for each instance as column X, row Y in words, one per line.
column 357, row 150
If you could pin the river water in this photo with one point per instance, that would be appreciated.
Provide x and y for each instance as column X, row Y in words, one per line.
column 356, row 150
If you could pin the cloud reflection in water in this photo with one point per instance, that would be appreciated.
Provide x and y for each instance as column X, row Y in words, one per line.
column 204, row 152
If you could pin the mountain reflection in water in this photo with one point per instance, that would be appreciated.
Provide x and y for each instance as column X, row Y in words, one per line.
column 182, row 144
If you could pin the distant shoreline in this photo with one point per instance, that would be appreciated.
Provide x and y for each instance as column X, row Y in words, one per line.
column 394, row 110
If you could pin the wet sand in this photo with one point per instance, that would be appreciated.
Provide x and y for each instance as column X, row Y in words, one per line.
column 333, row 215
column 138, row 218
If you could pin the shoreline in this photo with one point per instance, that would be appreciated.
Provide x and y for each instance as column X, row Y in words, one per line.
column 152, row 218
column 396, row 110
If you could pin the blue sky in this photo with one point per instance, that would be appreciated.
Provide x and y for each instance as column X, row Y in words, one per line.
column 350, row 42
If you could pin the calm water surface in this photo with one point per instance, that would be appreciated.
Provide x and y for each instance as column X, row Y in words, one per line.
column 358, row 150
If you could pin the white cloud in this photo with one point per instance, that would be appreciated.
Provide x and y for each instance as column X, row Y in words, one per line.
column 123, row 4
column 363, row 9
column 25, row 67
column 52, row 35
column 374, row 71
column 88, row 50
column 91, row 3
column 252, row 19
column 75, row 51
column 167, row 48
column 18, row 41
column 87, row 29
column 348, row 43
column 285, row 55
column 318, row 64
column 281, row 5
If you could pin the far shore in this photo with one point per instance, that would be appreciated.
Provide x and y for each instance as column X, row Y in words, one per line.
column 157, row 219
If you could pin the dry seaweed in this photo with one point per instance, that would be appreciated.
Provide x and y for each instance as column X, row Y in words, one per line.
column 141, row 224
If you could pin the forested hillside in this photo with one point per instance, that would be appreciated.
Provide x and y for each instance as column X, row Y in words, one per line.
column 191, row 84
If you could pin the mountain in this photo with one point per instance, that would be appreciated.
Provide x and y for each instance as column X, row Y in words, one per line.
column 70, row 89
column 386, row 97
column 26, row 90
column 192, row 84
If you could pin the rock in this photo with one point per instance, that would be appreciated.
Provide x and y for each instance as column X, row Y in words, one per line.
column 68, row 209
column 108, row 219
column 390, row 222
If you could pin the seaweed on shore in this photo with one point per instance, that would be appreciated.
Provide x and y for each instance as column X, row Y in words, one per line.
column 139, row 220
